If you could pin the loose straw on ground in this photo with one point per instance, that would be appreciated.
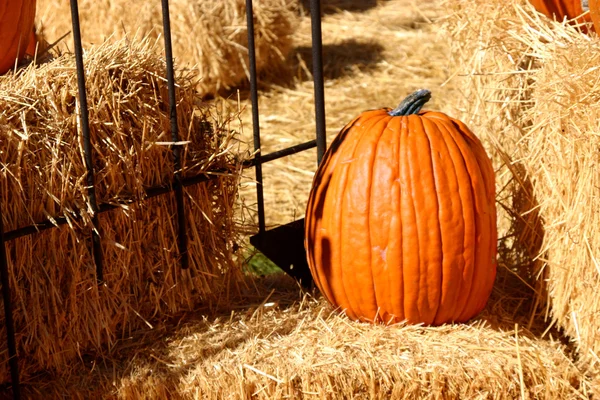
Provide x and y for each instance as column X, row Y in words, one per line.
column 297, row 346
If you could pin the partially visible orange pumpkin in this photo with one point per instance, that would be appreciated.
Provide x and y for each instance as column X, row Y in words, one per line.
column 16, row 26
column 571, row 9
column 401, row 218
column 594, row 6
column 32, row 45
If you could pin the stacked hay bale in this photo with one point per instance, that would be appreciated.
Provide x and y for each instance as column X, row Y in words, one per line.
column 532, row 88
column 208, row 36
column 60, row 311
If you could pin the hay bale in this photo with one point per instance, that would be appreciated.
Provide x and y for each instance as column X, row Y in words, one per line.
column 60, row 311
column 532, row 88
column 209, row 36
column 278, row 344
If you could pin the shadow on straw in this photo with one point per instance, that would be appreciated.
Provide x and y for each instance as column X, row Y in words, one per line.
column 336, row 6
column 339, row 60
column 521, row 282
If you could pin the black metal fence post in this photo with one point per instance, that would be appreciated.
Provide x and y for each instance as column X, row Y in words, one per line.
column 87, row 145
column 179, row 182
column 284, row 245
column 319, row 87
column 182, row 238
column 255, row 120
column 8, row 316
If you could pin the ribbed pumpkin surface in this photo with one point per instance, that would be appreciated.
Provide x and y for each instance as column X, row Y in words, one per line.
column 594, row 7
column 401, row 220
column 560, row 9
column 16, row 27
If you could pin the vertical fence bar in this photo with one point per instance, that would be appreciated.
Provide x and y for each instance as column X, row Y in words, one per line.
column 317, row 55
column 87, row 146
column 182, row 239
column 8, row 317
column 255, row 120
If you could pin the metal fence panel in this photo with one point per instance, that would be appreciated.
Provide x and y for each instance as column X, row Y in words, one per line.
column 179, row 183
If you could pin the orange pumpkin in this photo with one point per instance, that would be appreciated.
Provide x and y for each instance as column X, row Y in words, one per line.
column 594, row 6
column 16, row 25
column 32, row 44
column 401, row 218
column 571, row 9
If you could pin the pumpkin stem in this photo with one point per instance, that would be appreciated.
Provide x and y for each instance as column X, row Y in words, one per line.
column 411, row 104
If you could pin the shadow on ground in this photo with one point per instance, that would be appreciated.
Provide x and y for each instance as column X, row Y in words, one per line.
column 342, row 59
column 336, row 6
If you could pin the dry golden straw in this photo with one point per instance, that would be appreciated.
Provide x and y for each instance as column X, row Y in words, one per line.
column 272, row 342
column 208, row 36
column 374, row 54
column 60, row 312
column 276, row 343
column 532, row 88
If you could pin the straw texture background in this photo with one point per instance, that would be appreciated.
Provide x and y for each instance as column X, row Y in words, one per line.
column 266, row 339
column 531, row 87
column 208, row 36
column 375, row 54
column 59, row 310
column 274, row 342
